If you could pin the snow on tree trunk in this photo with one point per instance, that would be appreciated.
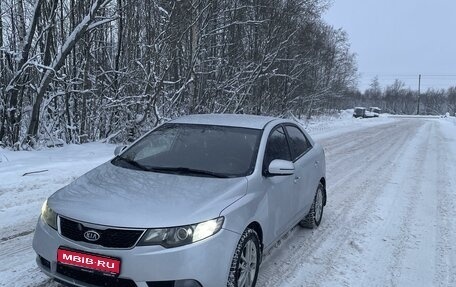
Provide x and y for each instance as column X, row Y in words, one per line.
column 85, row 25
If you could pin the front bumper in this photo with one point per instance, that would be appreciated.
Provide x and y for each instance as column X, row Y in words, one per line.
column 207, row 262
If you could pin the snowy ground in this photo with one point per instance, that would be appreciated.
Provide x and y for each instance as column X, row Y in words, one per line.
column 390, row 218
column 21, row 198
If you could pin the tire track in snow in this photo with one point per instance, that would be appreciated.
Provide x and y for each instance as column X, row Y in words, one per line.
column 342, row 212
column 359, row 208
column 11, row 231
column 407, row 239
column 13, row 247
column 325, row 229
column 402, row 229
column 23, row 233
column 423, row 250
column 18, row 266
column 353, row 140
column 445, row 255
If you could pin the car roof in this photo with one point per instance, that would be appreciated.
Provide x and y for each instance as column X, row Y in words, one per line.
column 230, row 120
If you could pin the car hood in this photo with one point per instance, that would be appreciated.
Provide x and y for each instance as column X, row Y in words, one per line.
column 121, row 197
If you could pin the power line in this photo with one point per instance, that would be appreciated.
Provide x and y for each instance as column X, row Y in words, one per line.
column 419, row 94
column 427, row 81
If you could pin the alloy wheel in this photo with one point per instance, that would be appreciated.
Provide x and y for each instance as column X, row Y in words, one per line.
column 247, row 265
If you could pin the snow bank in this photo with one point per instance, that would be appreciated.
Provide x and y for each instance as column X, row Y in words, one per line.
column 327, row 126
column 21, row 198
column 27, row 178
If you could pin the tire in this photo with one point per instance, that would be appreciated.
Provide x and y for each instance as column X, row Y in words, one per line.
column 313, row 218
column 247, row 251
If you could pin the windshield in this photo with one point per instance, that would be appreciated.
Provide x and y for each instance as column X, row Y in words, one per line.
column 198, row 150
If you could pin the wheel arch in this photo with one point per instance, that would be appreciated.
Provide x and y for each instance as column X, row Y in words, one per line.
column 257, row 227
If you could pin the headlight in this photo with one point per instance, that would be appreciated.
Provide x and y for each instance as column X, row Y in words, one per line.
column 182, row 235
column 49, row 216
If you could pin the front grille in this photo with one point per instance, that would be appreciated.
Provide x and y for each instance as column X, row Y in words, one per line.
column 94, row 278
column 111, row 238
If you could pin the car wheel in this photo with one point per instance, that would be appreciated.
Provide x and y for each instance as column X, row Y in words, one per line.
column 246, row 261
column 313, row 218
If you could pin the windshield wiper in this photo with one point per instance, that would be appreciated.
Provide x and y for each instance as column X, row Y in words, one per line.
column 187, row 170
column 133, row 163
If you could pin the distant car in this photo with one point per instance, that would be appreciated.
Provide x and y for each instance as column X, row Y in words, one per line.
column 376, row 111
column 195, row 202
column 359, row 112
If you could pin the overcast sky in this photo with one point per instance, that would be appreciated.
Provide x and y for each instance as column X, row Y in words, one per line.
column 400, row 39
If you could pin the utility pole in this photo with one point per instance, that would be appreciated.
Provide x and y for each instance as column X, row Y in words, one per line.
column 419, row 92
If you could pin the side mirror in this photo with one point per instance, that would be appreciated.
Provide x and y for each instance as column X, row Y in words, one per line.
column 281, row 167
column 119, row 149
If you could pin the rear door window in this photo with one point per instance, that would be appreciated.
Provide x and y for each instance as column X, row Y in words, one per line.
column 299, row 144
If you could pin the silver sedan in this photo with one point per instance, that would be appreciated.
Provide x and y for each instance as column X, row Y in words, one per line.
column 194, row 202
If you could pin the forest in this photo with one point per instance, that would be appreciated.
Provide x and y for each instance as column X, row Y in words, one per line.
column 88, row 70
column 79, row 71
column 397, row 98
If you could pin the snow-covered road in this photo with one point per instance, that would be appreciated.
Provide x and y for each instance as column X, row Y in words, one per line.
column 390, row 218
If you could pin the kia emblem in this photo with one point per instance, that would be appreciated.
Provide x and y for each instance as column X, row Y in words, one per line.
column 91, row 235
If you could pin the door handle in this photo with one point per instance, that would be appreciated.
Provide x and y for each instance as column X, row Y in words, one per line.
column 296, row 179
column 316, row 163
